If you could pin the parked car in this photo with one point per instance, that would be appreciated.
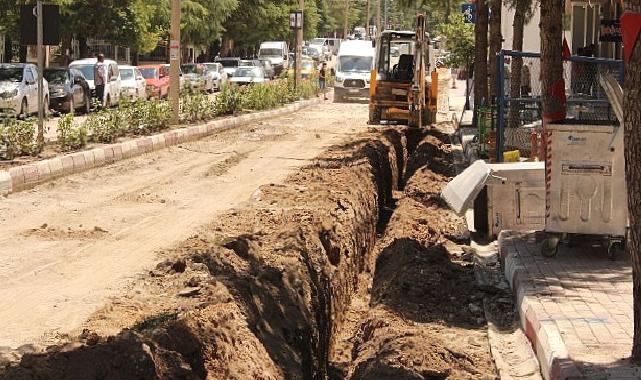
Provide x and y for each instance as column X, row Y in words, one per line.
column 68, row 90
column 249, row 63
column 277, row 53
column 134, row 85
column 19, row 88
column 157, row 79
column 316, row 52
column 111, row 96
column 270, row 73
column 219, row 75
column 182, row 80
column 307, row 68
column 195, row 78
column 248, row 75
column 230, row 64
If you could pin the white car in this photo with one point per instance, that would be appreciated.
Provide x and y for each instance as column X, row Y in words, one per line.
column 219, row 76
column 111, row 96
column 248, row 75
column 133, row 84
column 19, row 88
column 181, row 81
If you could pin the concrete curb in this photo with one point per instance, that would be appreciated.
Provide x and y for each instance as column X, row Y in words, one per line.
column 545, row 337
column 24, row 177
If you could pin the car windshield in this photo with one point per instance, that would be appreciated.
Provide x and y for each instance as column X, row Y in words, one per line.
column 85, row 69
column 56, row 76
column 348, row 63
column 270, row 52
column 229, row 63
column 248, row 72
column 307, row 65
column 191, row 69
column 317, row 41
column 211, row 67
column 10, row 74
column 313, row 50
column 149, row 73
column 127, row 74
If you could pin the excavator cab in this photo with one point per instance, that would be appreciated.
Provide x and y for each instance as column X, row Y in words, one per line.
column 399, row 91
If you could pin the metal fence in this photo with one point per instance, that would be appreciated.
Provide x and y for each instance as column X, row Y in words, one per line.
column 518, row 103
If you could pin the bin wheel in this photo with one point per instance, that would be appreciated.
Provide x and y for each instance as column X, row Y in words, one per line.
column 550, row 246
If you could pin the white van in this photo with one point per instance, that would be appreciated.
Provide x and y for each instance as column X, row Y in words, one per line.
column 277, row 53
column 353, row 70
column 113, row 84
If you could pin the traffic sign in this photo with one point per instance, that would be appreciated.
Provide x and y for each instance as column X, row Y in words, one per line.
column 296, row 20
column 469, row 13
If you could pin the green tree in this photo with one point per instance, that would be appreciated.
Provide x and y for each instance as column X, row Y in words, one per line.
column 459, row 41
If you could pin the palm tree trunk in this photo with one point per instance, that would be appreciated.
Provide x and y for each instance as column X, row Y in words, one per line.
column 632, row 150
column 552, row 84
column 480, row 58
column 496, row 40
column 517, row 62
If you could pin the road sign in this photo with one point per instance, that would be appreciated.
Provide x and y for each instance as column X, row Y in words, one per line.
column 469, row 13
column 296, row 19
column 50, row 25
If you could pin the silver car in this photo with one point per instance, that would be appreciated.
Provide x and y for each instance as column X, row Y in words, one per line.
column 19, row 88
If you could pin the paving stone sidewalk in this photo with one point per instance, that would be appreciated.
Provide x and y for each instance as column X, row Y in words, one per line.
column 575, row 308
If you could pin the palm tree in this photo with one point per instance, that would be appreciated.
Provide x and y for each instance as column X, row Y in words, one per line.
column 523, row 13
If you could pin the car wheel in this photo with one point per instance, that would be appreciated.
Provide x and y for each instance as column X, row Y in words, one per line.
column 24, row 108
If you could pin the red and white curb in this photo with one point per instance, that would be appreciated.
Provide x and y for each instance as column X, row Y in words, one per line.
column 24, row 177
column 543, row 334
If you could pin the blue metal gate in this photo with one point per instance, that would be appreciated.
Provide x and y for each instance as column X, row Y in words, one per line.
column 518, row 115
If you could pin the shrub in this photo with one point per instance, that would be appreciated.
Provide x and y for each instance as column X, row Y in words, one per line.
column 71, row 136
column 197, row 107
column 229, row 101
column 17, row 137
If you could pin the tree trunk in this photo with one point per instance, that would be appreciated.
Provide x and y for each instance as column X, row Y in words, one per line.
column 346, row 20
column 480, row 58
column 517, row 62
column 82, row 46
column 632, row 150
column 496, row 42
column 552, row 84
column 8, row 49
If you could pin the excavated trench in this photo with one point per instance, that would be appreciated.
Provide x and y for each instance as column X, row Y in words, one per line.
column 342, row 272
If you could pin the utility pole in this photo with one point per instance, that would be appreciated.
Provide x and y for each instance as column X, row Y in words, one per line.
column 174, row 61
column 299, row 42
column 378, row 17
column 41, row 105
column 346, row 19
column 367, row 34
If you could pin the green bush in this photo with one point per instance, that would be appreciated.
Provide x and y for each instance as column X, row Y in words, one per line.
column 71, row 136
column 17, row 137
column 196, row 107
column 229, row 100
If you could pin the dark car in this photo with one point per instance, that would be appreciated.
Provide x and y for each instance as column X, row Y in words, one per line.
column 68, row 90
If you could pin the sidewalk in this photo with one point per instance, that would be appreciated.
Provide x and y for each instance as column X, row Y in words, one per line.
column 576, row 308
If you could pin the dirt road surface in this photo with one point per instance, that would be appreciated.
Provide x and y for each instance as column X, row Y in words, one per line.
column 69, row 245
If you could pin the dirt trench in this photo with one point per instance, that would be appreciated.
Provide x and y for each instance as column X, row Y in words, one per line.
column 348, row 270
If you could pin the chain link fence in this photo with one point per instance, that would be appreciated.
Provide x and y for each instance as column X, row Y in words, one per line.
column 518, row 104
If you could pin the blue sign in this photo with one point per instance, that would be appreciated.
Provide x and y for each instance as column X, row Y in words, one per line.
column 469, row 13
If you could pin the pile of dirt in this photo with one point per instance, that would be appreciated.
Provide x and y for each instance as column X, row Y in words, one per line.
column 421, row 317
column 260, row 293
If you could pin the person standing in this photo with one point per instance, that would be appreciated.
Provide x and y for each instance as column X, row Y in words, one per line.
column 100, row 78
column 322, row 79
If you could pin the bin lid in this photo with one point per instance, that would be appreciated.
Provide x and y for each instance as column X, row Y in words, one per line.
column 461, row 192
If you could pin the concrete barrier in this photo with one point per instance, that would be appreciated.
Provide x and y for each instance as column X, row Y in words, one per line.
column 24, row 177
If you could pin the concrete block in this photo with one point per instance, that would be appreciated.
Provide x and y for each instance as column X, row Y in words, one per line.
column 55, row 167
column 158, row 142
column 44, row 171
column 90, row 159
column 99, row 156
column 5, row 183
column 79, row 163
column 17, row 178
column 67, row 164
column 108, row 154
column 143, row 145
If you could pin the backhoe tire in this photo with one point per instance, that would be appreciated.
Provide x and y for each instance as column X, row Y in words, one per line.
column 375, row 115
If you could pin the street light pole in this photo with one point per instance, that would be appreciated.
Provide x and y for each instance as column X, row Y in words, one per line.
column 299, row 43
column 41, row 105
column 174, row 61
